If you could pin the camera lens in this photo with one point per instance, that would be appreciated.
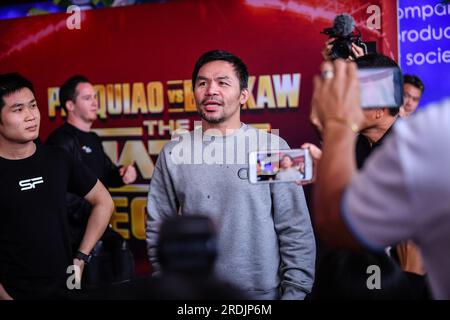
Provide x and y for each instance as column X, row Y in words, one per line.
column 342, row 48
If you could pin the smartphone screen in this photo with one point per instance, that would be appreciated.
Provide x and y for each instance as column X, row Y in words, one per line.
column 381, row 87
column 280, row 166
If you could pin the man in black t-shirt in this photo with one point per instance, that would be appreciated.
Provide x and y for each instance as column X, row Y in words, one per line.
column 35, row 253
column 77, row 97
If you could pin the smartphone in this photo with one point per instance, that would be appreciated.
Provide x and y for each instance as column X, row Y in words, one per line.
column 381, row 87
column 275, row 166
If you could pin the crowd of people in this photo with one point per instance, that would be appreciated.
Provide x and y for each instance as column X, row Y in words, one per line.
column 379, row 198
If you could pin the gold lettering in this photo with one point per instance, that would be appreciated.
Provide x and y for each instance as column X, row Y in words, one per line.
column 251, row 104
column 126, row 98
column 135, row 151
column 138, row 102
column 265, row 93
column 53, row 102
column 101, row 98
column 138, row 217
column 155, row 97
column 287, row 90
column 150, row 126
column 189, row 101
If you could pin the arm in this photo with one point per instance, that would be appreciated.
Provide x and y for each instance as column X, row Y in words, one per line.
column 335, row 171
column 66, row 141
column 113, row 177
column 410, row 258
column 337, row 108
column 162, row 203
column 3, row 294
column 102, row 209
column 295, row 237
column 128, row 173
column 119, row 176
column 296, row 240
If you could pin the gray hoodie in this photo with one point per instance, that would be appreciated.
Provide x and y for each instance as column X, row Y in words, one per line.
column 266, row 244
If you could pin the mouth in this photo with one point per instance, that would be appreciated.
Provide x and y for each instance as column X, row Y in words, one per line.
column 211, row 105
column 32, row 128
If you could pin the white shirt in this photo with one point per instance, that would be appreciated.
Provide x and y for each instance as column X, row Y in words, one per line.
column 404, row 193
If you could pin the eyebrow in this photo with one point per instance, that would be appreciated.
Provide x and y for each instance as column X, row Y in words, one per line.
column 87, row 95
column 22, row 104
column 217, row 78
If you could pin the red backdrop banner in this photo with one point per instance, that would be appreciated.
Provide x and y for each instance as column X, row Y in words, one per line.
column 141, row 57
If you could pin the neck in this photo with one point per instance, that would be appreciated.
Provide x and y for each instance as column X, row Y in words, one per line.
column 16, row 151
column 374, row 134
column 224, row 128
column 80, row 124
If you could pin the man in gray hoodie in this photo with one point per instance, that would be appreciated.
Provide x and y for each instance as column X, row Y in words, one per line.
column 265, row 240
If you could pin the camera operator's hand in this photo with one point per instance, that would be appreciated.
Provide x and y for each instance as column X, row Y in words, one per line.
column 326, row 51
column 357, row 51
column 336, row 96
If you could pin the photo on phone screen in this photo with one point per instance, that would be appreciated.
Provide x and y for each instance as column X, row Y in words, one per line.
column 280, row 166
column 381, row 87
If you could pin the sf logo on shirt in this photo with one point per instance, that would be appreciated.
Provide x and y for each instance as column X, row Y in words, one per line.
column 28, row 184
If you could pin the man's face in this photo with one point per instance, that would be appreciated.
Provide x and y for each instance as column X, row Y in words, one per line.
column 20, row 117
column 85, row 106
column 286, row 163
column 371, row 118
column 217, row 93
column 411, row 96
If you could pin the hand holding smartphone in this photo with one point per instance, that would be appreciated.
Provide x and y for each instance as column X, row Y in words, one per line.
column 274, row 166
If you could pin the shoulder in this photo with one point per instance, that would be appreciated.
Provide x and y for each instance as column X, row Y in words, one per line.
column 432, row 123
column 61, row 135
column 94, row 135
column 423, row 136
column 179, row 138
column 54, row 154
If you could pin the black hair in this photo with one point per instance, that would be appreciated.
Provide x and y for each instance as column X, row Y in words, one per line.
column 215, row 55
column 415, row 81
column 10, row 83
column 378, row 60
column 68, row 92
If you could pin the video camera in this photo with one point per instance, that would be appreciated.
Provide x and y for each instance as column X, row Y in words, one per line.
column 346, row 33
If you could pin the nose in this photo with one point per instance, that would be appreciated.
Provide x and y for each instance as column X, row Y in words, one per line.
column 407, row 100
column 211, row 89
column 30, row 114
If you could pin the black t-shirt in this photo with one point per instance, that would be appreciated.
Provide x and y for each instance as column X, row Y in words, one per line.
column 34, row 238
column 88, row 149
column 364, row 149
